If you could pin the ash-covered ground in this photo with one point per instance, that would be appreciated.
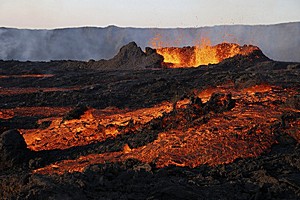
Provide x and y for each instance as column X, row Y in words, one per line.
column 128, row 129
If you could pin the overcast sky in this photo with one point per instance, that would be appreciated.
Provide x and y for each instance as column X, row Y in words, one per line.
column 145, row 13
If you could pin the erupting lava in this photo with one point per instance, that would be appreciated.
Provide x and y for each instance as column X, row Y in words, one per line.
column 201, row 54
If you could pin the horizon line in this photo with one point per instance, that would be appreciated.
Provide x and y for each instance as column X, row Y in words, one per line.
column 138, row 27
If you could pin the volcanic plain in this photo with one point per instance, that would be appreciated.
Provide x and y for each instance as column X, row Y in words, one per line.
column 133, row 127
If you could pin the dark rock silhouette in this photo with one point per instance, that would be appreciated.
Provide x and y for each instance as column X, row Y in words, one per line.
column 13, row 149
column 131, row 56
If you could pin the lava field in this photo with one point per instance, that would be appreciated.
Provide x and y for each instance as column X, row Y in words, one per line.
column 140, row 127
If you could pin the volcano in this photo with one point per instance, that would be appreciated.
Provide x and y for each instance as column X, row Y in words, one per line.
column 201, row 122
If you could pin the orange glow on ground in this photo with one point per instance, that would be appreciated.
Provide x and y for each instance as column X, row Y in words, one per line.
column 93, row 126
column 241, row 132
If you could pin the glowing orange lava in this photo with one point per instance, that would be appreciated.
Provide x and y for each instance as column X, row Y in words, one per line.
column 211, row 138
column 93, row 126
column 201, row 54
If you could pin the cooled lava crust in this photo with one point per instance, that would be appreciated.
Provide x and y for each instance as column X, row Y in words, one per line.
column 72, row 130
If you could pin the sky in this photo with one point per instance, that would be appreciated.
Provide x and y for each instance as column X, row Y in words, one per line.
column 50, row 14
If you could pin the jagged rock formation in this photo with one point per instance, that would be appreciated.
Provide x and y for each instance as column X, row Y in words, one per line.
column 131, row 56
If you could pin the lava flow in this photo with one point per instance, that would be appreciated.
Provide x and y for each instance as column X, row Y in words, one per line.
column 201, row 54
column 214, row 126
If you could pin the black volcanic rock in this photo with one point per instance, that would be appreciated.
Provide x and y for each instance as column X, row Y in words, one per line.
column 131, row 56
column 13, row 149
column 294, row 101
column 128, row 54
column 219, row 102
column 76, row 112
column 272, row 175
column 245, row 60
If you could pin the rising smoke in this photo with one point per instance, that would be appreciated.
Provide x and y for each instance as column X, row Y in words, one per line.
column 278, row 42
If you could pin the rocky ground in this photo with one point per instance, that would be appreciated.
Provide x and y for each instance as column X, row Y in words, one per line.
column 88, row 130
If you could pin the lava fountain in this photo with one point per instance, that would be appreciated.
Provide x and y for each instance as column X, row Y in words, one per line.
column 201, row 54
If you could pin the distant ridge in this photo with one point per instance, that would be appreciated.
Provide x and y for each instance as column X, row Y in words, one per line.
column 278, row 41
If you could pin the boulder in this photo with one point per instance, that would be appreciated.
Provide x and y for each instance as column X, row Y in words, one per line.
column 219, row 103
column 294, row 102
column 13, row 149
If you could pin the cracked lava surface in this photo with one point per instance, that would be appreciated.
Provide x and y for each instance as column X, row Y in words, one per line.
column 184, row 138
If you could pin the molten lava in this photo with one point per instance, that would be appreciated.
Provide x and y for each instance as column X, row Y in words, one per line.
column 201, row 54
column 216, row 126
